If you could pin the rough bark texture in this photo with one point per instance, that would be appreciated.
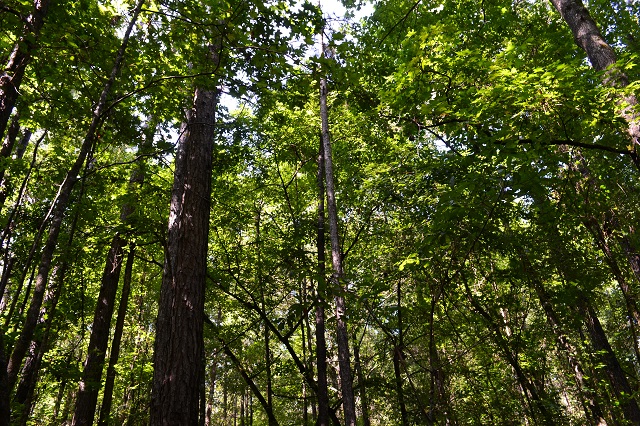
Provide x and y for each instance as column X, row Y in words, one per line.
column 13, row 73
column 342, row 338
column 91, row 381
column 321, row 343
column 58, row 214
column 179, row 339
column 602, row 58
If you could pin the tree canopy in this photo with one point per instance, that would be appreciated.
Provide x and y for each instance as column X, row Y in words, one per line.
column 393, row 212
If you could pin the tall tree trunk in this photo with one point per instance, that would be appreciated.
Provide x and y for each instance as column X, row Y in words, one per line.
column 398, row 359
column 364, row 400
column 321, row 291
column 602, row 58
column 266, row 334
column 39, row 346
column 179, row 335
column 91, row 381
column 13, row 73
column 342, row 337
column 105, row 408
column 58, row 212
column 136, row 179
column 5, row 411
column 612, row 367
column 633, row 312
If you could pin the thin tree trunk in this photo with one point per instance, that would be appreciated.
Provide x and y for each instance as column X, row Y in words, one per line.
column 528, row 389
column 91, row 381
column 612, row 367
column 5, row 410
column 254, row 388
column 58, row 213
column 13, row 73
column 321, row 343
column 342, row 338
column 5, row 152
column 593, row 412
column 266, row 334
column 105, row 409
column 179, row 336
column 136, row 179
column 40, row 345
column 6, row 232
column 633, row 312
column 398, row 359
column 364, row 400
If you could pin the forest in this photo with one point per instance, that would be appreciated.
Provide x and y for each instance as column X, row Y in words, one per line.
column 289, row 212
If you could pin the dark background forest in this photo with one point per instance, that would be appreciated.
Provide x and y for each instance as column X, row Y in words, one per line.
column 234, row 212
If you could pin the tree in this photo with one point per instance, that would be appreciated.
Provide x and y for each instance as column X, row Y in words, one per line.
column 179, row 341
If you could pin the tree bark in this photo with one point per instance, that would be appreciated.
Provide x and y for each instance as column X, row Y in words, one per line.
column 5, row 410
column 612, row 367
column 179, row 334
column 603, row 58
column 362, row 386
column 91, row 381
column 398, row 359
column 58, row 212
column 105, row 408
column 342, row 338
column 13, row 73
column 321, row 291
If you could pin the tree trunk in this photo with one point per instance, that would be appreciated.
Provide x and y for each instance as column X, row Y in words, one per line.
column 107, row 399
column 602, row 58
column 398, row 359
column 528, row 389
column 342, row 338
column 39, row 346
column 612, row 367
column 5, row 411
column 593, row 412
column 321, row 291
column 266, row 334
column 58, row 213
column 364, row 401
column 91, row 381
column 254, row 388
column 179, row 335
column 20, row 57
